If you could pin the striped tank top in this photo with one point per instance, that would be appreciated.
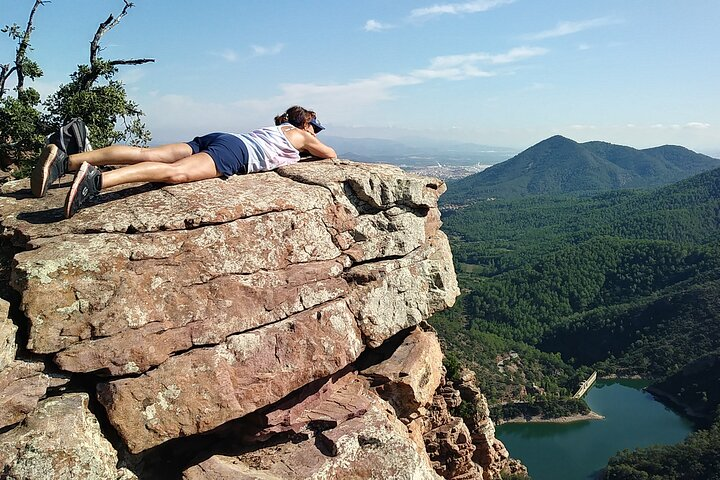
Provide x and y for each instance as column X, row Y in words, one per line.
column 268, row 148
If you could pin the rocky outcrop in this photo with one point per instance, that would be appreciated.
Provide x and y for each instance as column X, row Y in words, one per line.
column 490, row 453
column 261, row 326
column 8, row 330
column 344, row 431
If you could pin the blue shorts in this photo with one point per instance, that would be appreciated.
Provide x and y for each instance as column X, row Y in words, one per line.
column 227, row 151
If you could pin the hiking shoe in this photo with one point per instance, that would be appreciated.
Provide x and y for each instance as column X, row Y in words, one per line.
column 87, row 184
column 71, row 138
column 51, row 165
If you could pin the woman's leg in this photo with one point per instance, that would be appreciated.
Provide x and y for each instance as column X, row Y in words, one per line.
column 188, row 169
column 89, row 181
column 127, row 155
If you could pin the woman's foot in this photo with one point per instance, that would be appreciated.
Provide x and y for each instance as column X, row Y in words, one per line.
column 87, row 184
column 51, row 165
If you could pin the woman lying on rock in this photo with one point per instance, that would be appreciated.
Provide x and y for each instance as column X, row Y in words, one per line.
column 209, row 156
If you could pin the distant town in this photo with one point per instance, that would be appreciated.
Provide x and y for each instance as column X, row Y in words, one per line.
column 445, row 172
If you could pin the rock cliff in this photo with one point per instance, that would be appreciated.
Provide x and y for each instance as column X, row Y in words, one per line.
column 263, row 326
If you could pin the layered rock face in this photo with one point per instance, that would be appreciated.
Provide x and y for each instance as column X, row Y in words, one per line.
column 261, row 326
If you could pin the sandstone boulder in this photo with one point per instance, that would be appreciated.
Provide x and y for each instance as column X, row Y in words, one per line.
column 409, row 378
column 344, row 430
column 60, row 439
column 22, row 385
column 205, row 387
column 193, row 286
column 374, row 445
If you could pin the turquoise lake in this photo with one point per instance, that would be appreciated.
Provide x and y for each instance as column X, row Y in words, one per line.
column 579, row 450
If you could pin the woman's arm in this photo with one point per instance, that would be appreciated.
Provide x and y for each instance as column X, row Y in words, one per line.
column 308, row 142
column 318, row 149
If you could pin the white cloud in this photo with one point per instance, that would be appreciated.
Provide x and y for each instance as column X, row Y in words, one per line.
column 228, row 55
column 260, row 51
column 449, row 61
column 131, row 75
column 375, row 26
column 458, row 67
column 518, row 53
column 568, row 28
column 512, row 55
column 371, row 90
column 697, row 125
column 534, row 87
column 456, row 73
column 457, row 8
column 174, row 118
column 359, row 92
column 677, row 126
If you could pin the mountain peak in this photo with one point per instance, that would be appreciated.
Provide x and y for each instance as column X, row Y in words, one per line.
column 558, row 138
column 559, row 165
column 554, row 141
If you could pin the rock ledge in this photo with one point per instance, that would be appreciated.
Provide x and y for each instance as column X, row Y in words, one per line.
column 275, row 319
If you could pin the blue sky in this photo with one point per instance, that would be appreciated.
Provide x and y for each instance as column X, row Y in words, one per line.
column 496, row 72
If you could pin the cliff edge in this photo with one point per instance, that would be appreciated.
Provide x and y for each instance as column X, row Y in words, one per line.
column 262, row 326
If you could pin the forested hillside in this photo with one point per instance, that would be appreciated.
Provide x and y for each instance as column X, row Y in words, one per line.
column 553, row 287
column 695, row 388
column 559, row 165
column 697, row 458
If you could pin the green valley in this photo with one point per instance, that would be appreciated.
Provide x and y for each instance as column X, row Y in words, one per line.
column 554, row 287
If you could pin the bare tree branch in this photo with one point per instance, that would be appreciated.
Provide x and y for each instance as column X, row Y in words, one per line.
column 20, row 54
column 95, row 63
column 132, row 61
column 105, row 27
column 22, row 48
column 5, row 72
